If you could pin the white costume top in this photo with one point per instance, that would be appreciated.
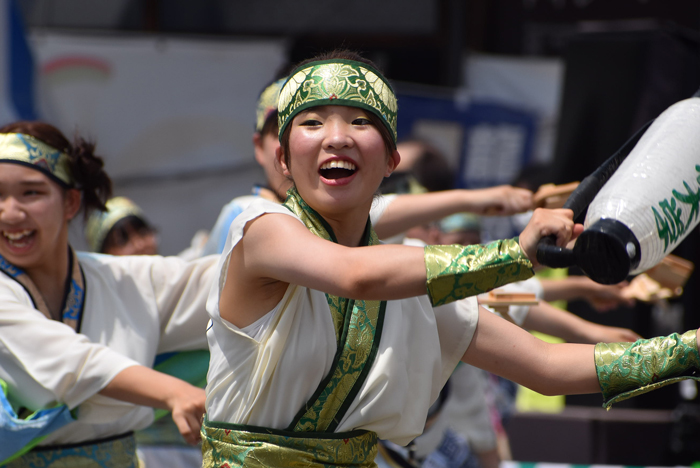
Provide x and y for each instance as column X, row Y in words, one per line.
column 263, row 374
column 135, row 308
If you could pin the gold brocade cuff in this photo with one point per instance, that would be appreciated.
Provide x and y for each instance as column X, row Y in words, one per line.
column 626, row 370
column 456, row 271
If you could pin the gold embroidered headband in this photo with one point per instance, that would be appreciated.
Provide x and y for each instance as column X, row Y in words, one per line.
column 32, row 152
column 337, row 82
column 101, row 222
column 267, row 103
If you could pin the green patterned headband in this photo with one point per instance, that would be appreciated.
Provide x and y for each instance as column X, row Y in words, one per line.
column 339, row 83
column 101, row 222
column 267, row 103
column 32, row 152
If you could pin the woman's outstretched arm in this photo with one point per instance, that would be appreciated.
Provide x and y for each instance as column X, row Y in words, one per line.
column 546, row 318
column 277, row 250
column 407, row 211
column 618, row 370
column 503, row 348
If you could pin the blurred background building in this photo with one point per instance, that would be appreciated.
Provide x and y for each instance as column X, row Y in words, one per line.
column 168, row 90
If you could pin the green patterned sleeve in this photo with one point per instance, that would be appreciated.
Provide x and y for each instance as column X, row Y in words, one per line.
column 456, row 271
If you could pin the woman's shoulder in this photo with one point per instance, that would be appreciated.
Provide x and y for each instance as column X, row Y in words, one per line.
column 254, row 210
column 262, row 206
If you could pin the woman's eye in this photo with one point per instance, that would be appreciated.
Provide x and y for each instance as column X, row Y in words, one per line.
column 362, row 121
column 310, row 123
column 29, row 193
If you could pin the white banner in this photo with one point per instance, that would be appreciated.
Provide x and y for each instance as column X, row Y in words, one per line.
column 173, row 118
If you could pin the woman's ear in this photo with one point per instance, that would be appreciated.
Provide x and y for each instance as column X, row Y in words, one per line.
column 71, row 203
column 394, row 160
column 258, row 147
column 279, row 155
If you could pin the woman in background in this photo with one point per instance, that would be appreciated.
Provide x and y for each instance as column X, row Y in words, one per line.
column 122, row 229
column 79, row 331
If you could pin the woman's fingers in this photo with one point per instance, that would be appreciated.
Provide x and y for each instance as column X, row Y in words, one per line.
column 544, row 222
column 187, row 408
column 189, row 423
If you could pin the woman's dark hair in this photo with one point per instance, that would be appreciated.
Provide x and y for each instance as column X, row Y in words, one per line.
column 342, row 54
column 118, row 236
column 86, row 168
column 432, row 169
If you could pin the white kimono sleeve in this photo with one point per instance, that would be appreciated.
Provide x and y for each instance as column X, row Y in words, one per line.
column 181, row 289
column 44, row 361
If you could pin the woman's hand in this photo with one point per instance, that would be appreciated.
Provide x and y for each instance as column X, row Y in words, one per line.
column 607, row 297
column 502, row 200
column 604, row 334
column 545, row 223
column 144, row 386
column 187, row 407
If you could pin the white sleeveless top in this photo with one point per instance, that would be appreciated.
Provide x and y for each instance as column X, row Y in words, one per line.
column 263, row 374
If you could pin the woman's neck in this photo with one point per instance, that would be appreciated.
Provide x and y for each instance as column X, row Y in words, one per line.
column 348, row 227
column 50, row 278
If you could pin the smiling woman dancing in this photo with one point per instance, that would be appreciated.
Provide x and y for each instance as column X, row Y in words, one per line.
column 321, row 341
column 79, row 331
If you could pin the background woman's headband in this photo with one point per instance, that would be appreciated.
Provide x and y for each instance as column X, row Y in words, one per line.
column 338, row 83
column 29, row 151
column 267, row 103
column 101, row 222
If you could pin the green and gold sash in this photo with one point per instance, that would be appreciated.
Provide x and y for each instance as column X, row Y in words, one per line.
column 358, row 328
column 235, row 445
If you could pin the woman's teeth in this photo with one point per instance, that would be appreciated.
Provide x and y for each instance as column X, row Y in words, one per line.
column 337, row 169
column 339, row 165
column 18, row 238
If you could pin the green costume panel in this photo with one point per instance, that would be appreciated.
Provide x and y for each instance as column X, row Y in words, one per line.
column 253, row 447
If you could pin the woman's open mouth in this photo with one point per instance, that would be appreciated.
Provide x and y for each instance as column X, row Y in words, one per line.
column 19, row 241
column 337, row 170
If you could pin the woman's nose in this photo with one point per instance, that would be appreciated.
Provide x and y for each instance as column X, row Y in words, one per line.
column 338, row 135
column 11, row 210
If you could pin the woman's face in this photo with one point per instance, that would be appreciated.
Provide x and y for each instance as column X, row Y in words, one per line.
column 34, row 215
column 337, row 157
column 136, row 242
column 265, row 154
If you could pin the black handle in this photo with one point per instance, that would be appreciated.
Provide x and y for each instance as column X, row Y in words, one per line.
column 548, row 253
